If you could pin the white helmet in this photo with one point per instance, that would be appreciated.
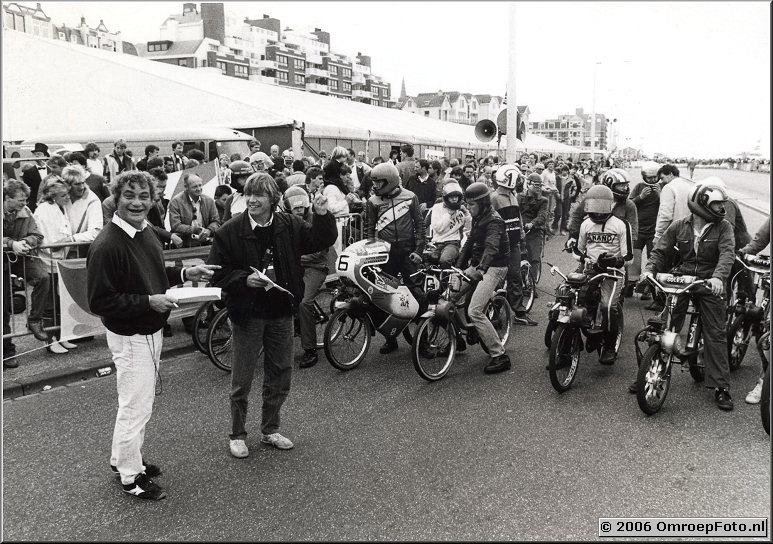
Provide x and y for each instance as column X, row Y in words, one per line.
column 649, row 172
column 507, row 176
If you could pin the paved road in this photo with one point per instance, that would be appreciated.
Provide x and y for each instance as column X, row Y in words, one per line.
column 380, row 454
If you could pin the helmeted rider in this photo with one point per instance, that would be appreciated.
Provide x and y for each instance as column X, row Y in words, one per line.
column 237, row 203
column 392, row 214
column 646, row 198
column 485, row 257
column 702, row 243
column 606, row 239
column 505, row 203
column 448, row 223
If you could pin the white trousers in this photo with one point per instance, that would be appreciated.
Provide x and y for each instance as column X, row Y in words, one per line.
column 136, row 359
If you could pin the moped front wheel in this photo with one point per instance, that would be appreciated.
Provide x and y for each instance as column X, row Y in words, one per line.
column 653, row 380
column 737, row 342
column 347, row 339
column 433, row 348
column 565, row 349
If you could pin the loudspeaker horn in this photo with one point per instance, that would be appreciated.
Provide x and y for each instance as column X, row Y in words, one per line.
column 485, row 130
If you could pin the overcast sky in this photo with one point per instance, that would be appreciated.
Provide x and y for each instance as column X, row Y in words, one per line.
column 682, row 78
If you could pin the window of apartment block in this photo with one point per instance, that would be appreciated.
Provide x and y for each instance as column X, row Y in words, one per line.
column 299, row 64
column 347, row 86
column 299, row 79
column 334, row 70
column 347, row 72
column 282, row 76
column 333, row 84
column 281, row 59
column 222, row 66
column 240, row 70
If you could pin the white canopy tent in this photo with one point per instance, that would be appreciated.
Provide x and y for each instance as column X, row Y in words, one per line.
column 55, row 86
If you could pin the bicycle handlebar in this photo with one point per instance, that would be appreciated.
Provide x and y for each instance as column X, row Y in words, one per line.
column 461, row 273
column 687, row 288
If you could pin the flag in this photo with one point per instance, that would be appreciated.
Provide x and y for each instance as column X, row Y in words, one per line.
column 78, row 321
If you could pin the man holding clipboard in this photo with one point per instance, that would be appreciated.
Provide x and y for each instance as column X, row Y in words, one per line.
column 259, row 253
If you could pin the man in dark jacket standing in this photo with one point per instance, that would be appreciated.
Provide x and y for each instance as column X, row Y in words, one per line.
column 246, row 248
column 486, row 255
column 126, row 286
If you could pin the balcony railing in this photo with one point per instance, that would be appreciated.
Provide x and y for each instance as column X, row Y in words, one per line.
column 318, row 72
column 264, row 79
column 361, row 93
column 358, row 78
column 318, row 87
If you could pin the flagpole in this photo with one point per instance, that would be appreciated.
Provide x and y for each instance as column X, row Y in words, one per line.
column 512, row 107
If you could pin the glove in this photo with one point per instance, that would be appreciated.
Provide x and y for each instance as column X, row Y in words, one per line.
column 524, row 262
column 570, row 244
column 608, row 260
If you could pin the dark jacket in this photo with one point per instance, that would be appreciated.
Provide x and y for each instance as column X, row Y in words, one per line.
column 646, row 208
column 675, row 250
column 534, row 210
column 761, row 240
column 181, row 217
column 21, row 226
column 235, row 249
column 31, row 176
column 424, row 191
column 487, row 245
column 734, row 217
column 397, row 220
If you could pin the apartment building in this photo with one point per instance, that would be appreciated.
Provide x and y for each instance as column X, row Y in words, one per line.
column 573, row 129
column 34, row 21
column 216, row 36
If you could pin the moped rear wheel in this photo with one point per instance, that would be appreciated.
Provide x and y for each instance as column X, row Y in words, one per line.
column 433, row 348
column 201, row 322
column 498, row 312
column 565, row 349
column 347, row 339
column 737, row 342
column 765, row 402
column 653, row 380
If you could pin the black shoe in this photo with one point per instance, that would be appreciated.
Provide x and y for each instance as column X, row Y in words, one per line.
column 13, row 362
column 168, row 331
column 150, row 470
column 628, row 289
column 309, row 358
column 497, row 364
column 524, row 320
column 654, row 306
column 632, row 388
column 722, row 397
column 188, row 324
column 389, row 346
column 646, row 296
column 608, row 356
column 461, row 345
column 37, row 330
column 144, row 488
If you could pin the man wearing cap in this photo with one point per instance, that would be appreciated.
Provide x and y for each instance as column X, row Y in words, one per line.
column 118, row 161
column 534, row 217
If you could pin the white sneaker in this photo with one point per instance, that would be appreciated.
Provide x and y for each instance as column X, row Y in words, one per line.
column 56, row 347
column 239, row 449
column 277, row 440
column 755, row 394
column 68, row 345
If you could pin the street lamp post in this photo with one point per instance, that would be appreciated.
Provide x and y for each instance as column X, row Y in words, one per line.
column 512, row 105
column 593, row 116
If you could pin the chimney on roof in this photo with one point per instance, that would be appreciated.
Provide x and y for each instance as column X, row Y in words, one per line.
column 39, row 6
column 317, row 29
column 266, row 16
column 83, row 20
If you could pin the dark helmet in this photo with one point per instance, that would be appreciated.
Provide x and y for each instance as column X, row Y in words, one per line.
column 598, row 203
column 480, row 193
column 619, row 183
column 385, row 178
column 708, row 199
column 240, row 171
column 452, row 189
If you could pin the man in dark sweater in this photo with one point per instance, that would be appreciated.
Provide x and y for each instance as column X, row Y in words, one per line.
column 270, row 242
column 126, row 284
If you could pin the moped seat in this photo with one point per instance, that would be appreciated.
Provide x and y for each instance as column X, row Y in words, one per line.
column 576, row 278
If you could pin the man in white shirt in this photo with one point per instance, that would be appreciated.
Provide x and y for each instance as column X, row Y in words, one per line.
column 93, row 163
column 673, row 198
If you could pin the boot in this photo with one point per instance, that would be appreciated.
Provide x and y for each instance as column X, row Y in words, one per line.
column 498, row 364
column 608, row 353
column 389, row 346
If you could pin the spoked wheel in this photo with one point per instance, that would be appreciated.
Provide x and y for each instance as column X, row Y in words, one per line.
column 529, row 290
column 433, row 349
column 765, row 402
column 346, row 340
column 653, row 379
column 201, row 323
column 737, row 342
column 536, row 272
column 498, row 312
column 697, row 364
column 565, row 350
